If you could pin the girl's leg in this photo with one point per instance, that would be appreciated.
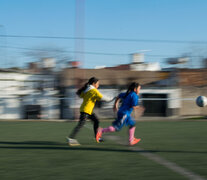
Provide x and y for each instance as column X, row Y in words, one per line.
column 104, row 130
column 132, row 139
column 131, row 123
column 131, row 133
column 117, row 124
column 80, row 124
column 95, row 120
column 108, row 129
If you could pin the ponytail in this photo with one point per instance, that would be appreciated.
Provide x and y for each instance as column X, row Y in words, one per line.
column 131, row 88
column 90, row 82
column 79, row 91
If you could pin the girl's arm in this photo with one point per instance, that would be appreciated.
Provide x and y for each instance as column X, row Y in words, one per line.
column 101, row 97
column 116, row 104
column 107, row 98
column 138, row 111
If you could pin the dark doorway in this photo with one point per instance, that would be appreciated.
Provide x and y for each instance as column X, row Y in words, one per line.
column 32, row 111
column 155, row 107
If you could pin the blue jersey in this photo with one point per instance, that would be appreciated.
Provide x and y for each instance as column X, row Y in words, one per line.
column 128, row 102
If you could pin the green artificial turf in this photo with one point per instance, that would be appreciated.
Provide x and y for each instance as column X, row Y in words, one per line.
column 38, row 150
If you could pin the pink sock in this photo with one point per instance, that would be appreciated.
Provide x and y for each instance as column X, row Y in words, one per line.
column 131, row 133
column 108, row 129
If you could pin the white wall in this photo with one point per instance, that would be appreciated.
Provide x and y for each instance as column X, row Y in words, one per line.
column 14, row 86
column 174, row 96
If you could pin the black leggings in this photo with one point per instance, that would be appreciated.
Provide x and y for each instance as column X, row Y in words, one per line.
column 82, row 120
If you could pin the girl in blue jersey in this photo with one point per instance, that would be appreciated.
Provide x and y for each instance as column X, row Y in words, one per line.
column 129, row 103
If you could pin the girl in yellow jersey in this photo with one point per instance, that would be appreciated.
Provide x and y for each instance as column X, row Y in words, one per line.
column 90, row 94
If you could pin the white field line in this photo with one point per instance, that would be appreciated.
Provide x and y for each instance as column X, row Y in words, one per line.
column 170, row 165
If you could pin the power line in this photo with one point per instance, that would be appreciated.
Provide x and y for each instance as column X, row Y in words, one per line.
column 107, row 39
column 92, row 53
column 81, row 52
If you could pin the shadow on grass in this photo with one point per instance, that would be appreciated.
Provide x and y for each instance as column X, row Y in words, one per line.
column 32, row 143
column 49, row 145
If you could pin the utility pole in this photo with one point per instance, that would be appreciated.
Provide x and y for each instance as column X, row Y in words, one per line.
column 79, row 30
column 3, row 45
column 79, row 46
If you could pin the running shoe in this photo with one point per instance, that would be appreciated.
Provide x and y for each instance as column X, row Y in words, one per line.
column 134, row 141
column 72, row 142
column 98, row 135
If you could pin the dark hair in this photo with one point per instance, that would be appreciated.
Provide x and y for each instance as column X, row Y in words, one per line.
column 131, row 88
column 90, row 81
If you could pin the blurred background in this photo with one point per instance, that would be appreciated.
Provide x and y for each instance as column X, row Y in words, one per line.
column 48, row 49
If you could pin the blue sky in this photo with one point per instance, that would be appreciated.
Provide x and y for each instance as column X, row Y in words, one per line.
column 174, row 20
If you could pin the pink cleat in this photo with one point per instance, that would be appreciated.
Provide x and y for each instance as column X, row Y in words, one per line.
column 98, row 135
column 134, row 141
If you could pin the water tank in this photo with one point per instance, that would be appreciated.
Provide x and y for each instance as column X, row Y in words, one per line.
column 137, row 58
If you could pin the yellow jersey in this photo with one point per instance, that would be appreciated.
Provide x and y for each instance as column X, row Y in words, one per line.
column 89, row 99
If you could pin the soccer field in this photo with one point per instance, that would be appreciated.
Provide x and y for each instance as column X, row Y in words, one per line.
column 168, row 151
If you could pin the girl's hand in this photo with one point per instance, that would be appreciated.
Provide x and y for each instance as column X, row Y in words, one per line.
column 138, row 111
column 141, row 109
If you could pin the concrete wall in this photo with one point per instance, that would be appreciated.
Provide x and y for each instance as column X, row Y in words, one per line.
column 188, row 106
column 10, row 107
column 19, row 89
column 49, row 104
